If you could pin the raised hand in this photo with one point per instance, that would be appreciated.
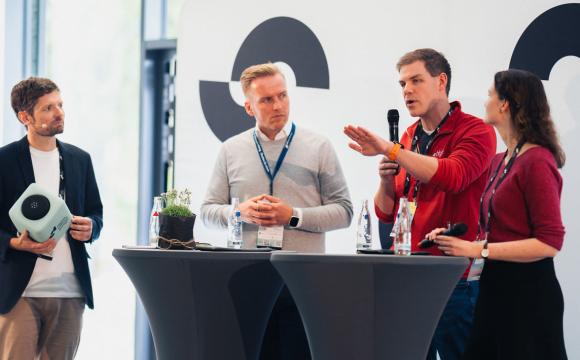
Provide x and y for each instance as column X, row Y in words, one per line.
column 365, row 141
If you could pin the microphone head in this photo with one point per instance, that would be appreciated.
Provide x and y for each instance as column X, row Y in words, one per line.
column 457, row 229
column 393, row 116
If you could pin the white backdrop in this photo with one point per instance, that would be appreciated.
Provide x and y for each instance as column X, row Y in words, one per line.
column 362, row 42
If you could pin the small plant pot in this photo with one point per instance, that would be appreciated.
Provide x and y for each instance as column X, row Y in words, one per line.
column 173, row 228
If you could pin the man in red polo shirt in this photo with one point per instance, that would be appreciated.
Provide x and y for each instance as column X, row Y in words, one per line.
column 443, row 159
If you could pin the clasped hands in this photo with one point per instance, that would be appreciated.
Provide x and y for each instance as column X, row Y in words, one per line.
column 266, row 210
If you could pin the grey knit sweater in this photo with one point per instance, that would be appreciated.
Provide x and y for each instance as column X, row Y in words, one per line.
column 310, row 179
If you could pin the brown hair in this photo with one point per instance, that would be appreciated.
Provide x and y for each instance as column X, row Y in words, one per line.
column 257, row 71
column 529, row 110
column 26, row 93
column 434, row 61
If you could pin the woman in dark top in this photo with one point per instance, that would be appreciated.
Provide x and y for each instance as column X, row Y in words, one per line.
column 520, row 307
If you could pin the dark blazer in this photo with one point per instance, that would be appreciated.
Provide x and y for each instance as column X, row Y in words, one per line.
column 82, row 199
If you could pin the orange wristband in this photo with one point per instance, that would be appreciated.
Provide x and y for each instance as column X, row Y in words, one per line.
column 392, row 155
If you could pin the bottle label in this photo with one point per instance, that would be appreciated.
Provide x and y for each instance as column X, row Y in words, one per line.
column 235, row 232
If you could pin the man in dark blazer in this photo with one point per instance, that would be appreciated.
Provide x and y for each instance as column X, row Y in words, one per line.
column 42, row 301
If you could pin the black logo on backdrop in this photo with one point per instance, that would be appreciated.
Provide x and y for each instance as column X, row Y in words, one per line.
column 550, row 37
column 281, row 39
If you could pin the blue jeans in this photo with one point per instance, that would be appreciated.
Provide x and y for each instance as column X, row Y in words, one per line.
column 454, row 326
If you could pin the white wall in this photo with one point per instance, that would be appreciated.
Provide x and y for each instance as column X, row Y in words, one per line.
column 362, row 41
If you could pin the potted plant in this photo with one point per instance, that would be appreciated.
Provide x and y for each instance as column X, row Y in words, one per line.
column 176, row 221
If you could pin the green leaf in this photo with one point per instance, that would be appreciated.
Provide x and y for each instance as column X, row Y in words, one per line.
column 177, row 210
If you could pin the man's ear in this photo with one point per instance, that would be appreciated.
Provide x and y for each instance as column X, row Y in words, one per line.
column 248, row 108
column 443, row 80
column 23, row 117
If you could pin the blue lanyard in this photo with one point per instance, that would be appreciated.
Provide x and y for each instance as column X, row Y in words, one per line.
column 280, row 158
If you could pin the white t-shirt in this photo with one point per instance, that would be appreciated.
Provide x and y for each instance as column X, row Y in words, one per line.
column 54, row 278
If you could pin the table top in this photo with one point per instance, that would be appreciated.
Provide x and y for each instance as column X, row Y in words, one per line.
column 367, row 258
column 190, row 254
column 290, row 256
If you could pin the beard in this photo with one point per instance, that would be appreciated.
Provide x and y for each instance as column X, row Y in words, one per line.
column 54, row 130
column 49, row 130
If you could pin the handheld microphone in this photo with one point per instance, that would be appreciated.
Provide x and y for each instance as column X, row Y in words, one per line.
column 393, row 118
column 457, row 229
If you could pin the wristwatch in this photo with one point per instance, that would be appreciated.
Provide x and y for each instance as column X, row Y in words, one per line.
column 294, row 220
column 485, row 250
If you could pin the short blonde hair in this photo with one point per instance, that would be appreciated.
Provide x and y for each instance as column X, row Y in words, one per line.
column 257, row 71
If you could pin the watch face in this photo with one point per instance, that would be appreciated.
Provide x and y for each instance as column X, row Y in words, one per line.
column 293, row 221
column 484, row 253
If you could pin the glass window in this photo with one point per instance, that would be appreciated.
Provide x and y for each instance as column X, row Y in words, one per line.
column 173, row 14
column 93, row 54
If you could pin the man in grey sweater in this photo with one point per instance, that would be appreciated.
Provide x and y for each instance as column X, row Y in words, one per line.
column 291, row 188
column 308, row 195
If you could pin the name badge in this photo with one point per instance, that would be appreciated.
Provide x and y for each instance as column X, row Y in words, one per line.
column 413, row 209
column 270, row 236
column 476, row 268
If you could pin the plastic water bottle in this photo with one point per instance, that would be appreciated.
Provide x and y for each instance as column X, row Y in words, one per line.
column 364, row 236
column 154, row 220
column 403, row 231
column 235, row 230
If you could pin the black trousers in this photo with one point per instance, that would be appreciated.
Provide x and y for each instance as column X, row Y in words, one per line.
column 285, row 338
